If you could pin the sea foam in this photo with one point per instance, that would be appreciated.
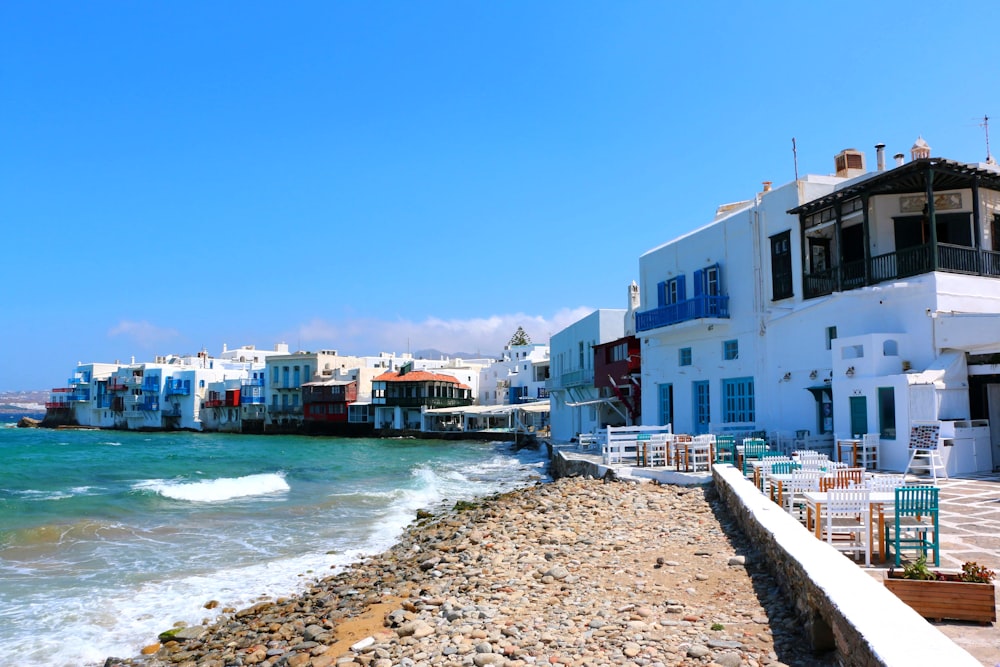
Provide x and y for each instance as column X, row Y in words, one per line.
column 217, row 490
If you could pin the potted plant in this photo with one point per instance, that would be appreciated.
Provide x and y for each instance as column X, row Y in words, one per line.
column 968, row 595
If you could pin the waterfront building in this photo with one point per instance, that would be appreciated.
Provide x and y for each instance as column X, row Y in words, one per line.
column 85, row 400
column 618, row 368
column 519, row 376
column 400, row 397
column 286, row 373
column 861, row 302
column 326, row 401
column 576, row 406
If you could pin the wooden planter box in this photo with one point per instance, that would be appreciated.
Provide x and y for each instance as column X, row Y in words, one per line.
column 939, row 599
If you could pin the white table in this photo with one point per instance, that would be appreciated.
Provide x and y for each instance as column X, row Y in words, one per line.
column 878, row 501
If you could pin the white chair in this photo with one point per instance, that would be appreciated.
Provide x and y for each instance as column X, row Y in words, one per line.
column 700, row 452
column 847, row 521
column 868, row 451
column 883, row 483
column 792, row 500
column 658, row 448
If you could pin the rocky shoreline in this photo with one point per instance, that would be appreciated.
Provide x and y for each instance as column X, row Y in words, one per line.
column 574, row 572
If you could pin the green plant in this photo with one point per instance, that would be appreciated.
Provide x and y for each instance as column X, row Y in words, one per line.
column 718, row 626
column 918, row 570
column 976, row 573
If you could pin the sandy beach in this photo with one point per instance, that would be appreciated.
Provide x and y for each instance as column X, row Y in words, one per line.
column 575, row 572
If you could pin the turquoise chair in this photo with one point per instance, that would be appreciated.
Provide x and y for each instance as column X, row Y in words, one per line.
column 753, row 448
column 915, row 524
column 725, row 449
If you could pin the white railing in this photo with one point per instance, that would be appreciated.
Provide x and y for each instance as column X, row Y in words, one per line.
column 622, row 443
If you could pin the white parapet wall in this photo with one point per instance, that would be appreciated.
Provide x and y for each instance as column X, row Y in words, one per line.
column 844, row 607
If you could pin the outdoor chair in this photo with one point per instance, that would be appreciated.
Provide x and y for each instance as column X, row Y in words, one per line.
column 915, row 524
column 868, row 451
column 791, row 497
column 753, row 448
column 725, row 449
column 847, row 521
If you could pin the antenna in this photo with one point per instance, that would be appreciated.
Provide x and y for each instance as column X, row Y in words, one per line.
column 986, row 126
column 795, row 159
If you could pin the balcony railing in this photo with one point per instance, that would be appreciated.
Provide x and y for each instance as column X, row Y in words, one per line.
column 902, row 264
column 571, row 379
column 251, row 400
column 178, row 387
column 116, row 385
column 683, row 311
column 253, row 382
column 431, row 402
column 285, row 409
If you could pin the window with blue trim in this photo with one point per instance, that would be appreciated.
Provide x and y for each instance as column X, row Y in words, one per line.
column 738, row 400
column 670, row 291
column 730, row 350
column 684, row 356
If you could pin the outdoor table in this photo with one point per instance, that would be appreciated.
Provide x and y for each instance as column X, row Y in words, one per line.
column 689, row 454
column 878, row 501
column 852, row 444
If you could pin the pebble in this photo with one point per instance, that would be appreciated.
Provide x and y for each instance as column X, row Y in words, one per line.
column 574, row 572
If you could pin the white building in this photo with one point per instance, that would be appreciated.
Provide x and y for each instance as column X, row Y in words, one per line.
column 855, row 303
column 575, row 404
column 519, row 376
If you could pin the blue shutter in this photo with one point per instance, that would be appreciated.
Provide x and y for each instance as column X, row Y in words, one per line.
column 661, row 293
column 699, row 282
column 681, row 292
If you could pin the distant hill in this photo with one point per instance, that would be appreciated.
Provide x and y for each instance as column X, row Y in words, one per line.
column 17, row 404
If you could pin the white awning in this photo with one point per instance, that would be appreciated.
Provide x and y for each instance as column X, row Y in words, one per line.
column 968, row 332
column 948, row 369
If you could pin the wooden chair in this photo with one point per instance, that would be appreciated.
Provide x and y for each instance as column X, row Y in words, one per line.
column 753, row 448
column 725, row 449
column 847, row 521
column 915, row 524
column 868, row 451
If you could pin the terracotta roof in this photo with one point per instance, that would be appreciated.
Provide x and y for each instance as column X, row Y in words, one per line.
column 417, row 376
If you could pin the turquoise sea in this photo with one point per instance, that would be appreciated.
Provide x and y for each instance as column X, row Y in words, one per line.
column 109, row 537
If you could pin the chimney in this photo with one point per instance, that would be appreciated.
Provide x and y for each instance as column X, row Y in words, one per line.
column 920, row 149
column 898, row 157
column 880, row 157
column 767, row 186
column 849, row 163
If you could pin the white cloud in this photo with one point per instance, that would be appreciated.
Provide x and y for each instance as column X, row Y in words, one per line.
column 144, row 333
column 485, row 335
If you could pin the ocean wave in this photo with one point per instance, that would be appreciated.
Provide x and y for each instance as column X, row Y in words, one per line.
column 217, row 490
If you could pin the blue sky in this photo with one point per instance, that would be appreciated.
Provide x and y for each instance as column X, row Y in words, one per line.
column 389, row 176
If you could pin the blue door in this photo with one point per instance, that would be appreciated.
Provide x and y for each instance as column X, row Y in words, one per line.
column 666, row 404
column 702, row 413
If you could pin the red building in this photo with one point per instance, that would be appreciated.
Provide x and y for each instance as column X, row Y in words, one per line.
column 617, row 366
column 327, row 400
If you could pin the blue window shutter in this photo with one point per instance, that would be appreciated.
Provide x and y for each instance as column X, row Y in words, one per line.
column 699, row 282
column 661, row 293
column 681, row 292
